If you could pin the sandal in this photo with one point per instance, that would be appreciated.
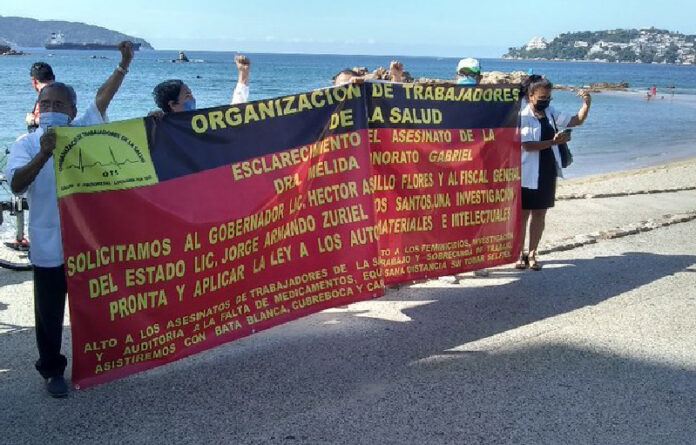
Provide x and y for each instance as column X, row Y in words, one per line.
column 533, row 263
column 523, row 262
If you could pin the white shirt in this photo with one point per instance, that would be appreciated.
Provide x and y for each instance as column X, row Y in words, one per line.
column 530, row 129
column 241, row 94
column 46, row 248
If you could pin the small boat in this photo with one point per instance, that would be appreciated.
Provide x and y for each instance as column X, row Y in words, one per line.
column 181, row 59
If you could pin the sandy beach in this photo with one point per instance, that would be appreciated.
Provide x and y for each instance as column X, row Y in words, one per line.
column 596, row 348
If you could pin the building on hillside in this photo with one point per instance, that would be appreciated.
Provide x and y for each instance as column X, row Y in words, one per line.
column 537, row 43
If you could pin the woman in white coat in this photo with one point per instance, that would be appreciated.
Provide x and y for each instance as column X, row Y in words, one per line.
column 541, row 132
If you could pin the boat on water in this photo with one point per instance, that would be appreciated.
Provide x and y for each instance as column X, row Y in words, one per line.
column 57, row 41
column 181, row 59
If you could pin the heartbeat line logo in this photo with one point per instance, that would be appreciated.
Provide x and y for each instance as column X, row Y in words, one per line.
column 105, row 157
column 113, row 163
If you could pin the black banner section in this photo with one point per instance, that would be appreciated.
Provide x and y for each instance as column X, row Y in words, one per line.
column 440, row 106
column 235, row 133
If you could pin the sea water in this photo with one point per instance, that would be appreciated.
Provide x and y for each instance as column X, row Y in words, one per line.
column 624, row 129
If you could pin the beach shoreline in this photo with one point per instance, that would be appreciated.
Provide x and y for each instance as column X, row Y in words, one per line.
column 671, row 174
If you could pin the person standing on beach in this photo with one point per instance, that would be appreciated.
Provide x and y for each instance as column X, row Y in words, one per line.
column 541, row 160
column 41, row 75
column 468, row 72
column 30, row 169
column 174, row 96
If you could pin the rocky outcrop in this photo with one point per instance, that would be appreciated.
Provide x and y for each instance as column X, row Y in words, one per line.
column 380, row 73
column 489, row 78
column 498, row 77
column 7, row 51
column 609, row 86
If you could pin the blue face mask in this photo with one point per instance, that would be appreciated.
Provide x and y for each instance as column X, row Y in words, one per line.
column 190, row 105
column 53, row 119
column 466, row 81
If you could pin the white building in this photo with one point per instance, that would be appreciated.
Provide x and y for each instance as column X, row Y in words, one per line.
column 537, row 43
column 598, row 47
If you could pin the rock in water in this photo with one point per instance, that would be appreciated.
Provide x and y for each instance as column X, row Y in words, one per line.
column 609, row 86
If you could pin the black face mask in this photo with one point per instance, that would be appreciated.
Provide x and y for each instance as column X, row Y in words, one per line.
column 541, row 105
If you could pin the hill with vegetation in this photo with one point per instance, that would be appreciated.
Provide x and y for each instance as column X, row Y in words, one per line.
column 31, row 33
column 617, row 45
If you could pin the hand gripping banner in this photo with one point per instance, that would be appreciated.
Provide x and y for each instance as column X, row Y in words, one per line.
column 199, row 228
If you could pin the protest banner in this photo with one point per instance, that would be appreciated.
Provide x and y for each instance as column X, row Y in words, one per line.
column 446, row 166
column 204, row 227
column 193, row 230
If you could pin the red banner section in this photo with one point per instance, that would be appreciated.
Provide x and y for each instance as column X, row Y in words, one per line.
column 238, row 249
column 447, row 201
column 184, row 233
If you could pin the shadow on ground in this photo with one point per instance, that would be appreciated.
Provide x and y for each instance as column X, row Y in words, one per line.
column 11, row 277
column 338, row 378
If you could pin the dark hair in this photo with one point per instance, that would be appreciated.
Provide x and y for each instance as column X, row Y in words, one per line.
column 533, row 83
column 61, row 86
column 42, row 72
column 167, row 91
column 348, row 71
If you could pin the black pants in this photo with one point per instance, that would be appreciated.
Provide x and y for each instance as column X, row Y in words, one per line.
column 50, row 289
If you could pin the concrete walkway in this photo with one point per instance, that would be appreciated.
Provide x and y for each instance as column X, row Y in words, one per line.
column 596, row 348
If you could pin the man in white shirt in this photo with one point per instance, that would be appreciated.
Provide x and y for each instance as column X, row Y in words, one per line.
column 30, row 169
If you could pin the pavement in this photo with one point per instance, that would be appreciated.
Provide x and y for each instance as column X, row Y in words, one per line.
column 596, row 348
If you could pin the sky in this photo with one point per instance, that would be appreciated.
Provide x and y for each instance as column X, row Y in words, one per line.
column 405, row 27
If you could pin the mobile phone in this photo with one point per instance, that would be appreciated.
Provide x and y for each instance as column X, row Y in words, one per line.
column 568, row 130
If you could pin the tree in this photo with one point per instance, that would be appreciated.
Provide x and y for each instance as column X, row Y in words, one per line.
column 626, row 55
column 671, row 54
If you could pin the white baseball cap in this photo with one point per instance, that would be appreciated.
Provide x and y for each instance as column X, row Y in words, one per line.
column 470, row 64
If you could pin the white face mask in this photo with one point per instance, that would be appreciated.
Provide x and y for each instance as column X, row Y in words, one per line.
column 466, row 80
column 53, row 119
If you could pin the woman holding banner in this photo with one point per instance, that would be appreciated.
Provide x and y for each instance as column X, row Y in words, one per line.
column 175, row 96
column 541, row 160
